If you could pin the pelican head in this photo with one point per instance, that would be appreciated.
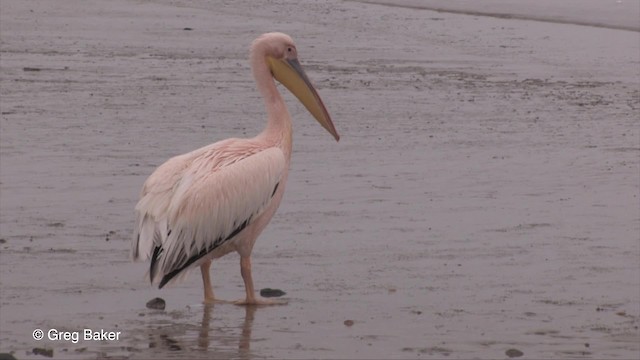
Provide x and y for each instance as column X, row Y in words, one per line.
column 282, row 60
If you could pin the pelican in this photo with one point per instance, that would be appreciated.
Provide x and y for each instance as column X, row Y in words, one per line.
column 209, row 202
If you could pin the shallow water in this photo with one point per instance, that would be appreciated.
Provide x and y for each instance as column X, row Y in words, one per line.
column 483, row 196
column 613, row 14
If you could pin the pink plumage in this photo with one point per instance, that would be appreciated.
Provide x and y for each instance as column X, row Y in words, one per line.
column 217, row 199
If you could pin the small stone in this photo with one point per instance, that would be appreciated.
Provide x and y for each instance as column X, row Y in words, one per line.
column 513, row 353
column 156, row 304
column 348, row 322
column 268, row 292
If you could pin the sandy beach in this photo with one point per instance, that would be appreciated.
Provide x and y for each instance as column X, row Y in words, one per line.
column 482, row 201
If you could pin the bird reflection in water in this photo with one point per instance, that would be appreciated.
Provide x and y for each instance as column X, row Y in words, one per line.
column 244, row 344
column 216, row 340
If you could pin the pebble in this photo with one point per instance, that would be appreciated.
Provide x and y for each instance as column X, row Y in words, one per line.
column 513, row 353
column 267, row 292
column 156, row 304
column 348, row 322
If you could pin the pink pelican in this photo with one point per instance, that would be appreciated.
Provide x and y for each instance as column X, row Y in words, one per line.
column 202, row 205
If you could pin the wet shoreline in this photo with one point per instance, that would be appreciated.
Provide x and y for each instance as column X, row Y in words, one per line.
column 482, row 198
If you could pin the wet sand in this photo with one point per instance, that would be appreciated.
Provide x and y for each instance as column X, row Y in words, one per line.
column 612, row 14
column 483, row 196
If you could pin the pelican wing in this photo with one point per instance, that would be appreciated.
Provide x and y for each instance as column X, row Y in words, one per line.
column 155, row 198
column 215, row 196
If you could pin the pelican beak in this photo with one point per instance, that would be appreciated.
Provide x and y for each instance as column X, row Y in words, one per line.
column 290, row 74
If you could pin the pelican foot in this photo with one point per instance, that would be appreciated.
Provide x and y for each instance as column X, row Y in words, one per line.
column 260, row 302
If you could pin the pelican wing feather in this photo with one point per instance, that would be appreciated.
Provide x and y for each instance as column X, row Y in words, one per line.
column 196, row 202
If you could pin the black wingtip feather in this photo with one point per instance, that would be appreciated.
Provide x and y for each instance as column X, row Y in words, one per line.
column 166, row 278
column 135, row 248
column 154, row 259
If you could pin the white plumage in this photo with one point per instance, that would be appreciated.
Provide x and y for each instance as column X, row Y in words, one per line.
column 201, row 205
column 193, row 202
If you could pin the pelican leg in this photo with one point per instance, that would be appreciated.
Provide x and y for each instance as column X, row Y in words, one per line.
column 245, row 270
column 206, row 282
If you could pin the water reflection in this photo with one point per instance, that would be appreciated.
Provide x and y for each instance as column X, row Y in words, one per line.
column 213, row 337
column 205, row 336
